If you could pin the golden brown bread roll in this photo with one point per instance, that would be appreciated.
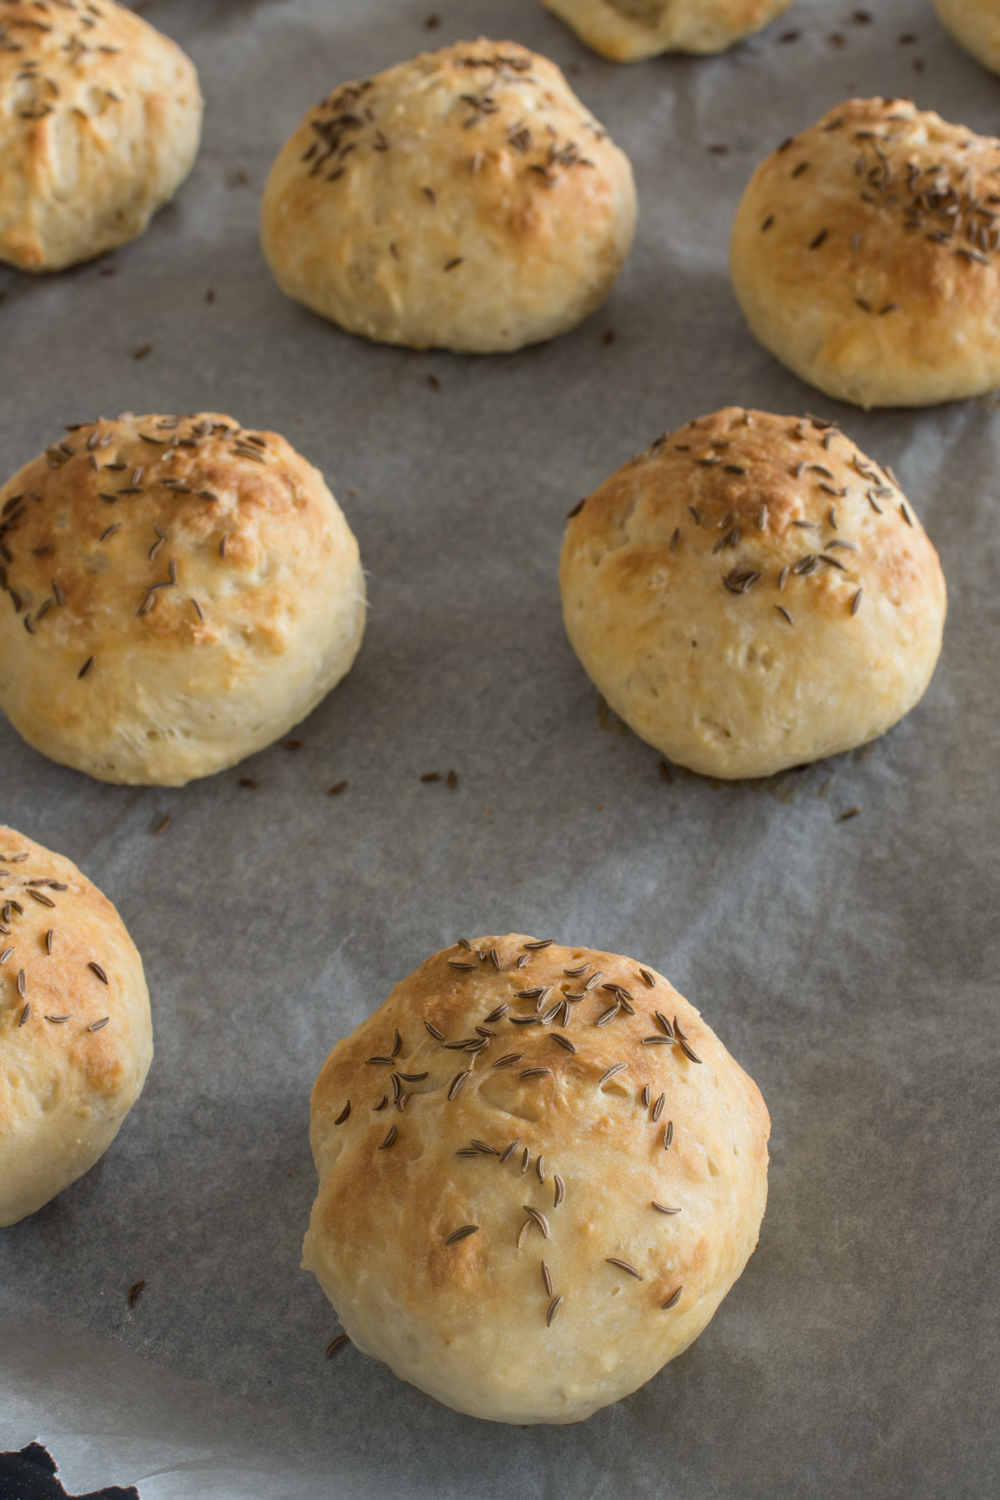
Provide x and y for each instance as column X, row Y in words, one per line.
column 540, row 1173
column 463, row 200
column 753, row 593
column 180, row 592
column 864, row 255
column 627, row 30
column 76, row 1032
column 975, row 25
column 100, row 124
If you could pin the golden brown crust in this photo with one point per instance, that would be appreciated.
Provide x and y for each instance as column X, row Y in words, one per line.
column 181, row 591
column 864, row 255
column 465, row 199
column 628, row 30
column 975, row 25
column 75, row 1031
column 100, row 118
column 473, row 1319
column 752, row 593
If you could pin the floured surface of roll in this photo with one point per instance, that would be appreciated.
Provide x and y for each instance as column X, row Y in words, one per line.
column 753, row 592
column 540, row 1173
column 464, row 200
column 975, row 25
column 628, row 30
column 184, row 591
column 76, row 1038
column 100, row 118
column 865, row 255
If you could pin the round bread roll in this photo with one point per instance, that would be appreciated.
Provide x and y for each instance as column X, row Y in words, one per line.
column 753, row 593
column 627, row 30
column 464, row 200
column 183, row 592
column 99, row 126
column 74, row 1018
column 975, row 25
column 864, row 256
column 576, row 1180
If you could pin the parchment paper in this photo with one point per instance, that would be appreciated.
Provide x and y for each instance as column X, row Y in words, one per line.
column 849, row 966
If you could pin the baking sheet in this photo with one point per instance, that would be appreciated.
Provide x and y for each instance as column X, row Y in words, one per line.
column 849, row 966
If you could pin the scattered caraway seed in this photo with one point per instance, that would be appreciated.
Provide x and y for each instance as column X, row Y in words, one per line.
column 343, row 1114
column 336, row 1343
column 132, row 1295
column 852, row 812
column 48, row 941
column 554, row 1307
column 540, row 1168
column 661, row 1208
column 544, row 943
column 509, row 1060
column 26, row 1012
column 142, row 351
column 665, row 774
column 668, row 1135
column 462, row 1234
column 658, row 1108
column 547, row 1279
column 560, row 1190
column 496, row 1015
column 657, row 1041
column 576, row 509
column 648, row 978
column 563, row 1041
column 610, row 1073
column 431, row 776
column 390, row 1137
column 452, row 780
column 623, row 1265
column 535, row 1073
column 336, row 789
column 381, row 1104
column 665, row 1025
column 86, row 667
column 458, row 1081
column 673, row 1300
column 538, row 1218
column 437, row 1035
column 510, row 1150
column 247, row 781
column 644, row 1096
column 96, row 1025
column 96, row 968
column 163, row 824
column 525, row 1159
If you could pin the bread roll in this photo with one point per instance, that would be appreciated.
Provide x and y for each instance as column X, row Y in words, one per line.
column 627, row 30
column 180, row 592
column 99, row 127
column 864, row 255
column 753, row 593
column 975, row 25
column 77, row 1037
column 464, row 200
column 540, row 1173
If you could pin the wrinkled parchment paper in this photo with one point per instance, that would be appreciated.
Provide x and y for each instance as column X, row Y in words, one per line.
column 849, row 966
